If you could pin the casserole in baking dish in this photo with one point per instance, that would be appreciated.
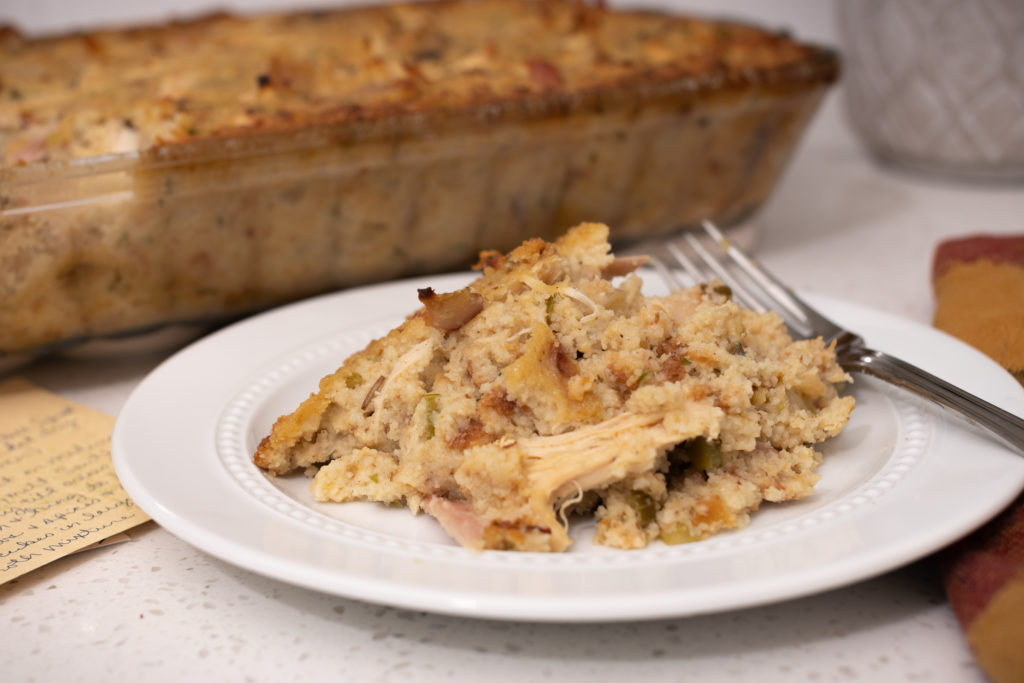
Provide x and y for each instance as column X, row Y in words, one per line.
column 213, row 167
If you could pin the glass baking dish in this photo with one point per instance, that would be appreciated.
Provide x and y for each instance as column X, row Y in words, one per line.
column 212, row 228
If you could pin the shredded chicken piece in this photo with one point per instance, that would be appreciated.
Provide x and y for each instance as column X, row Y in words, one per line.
column 594, row 456
column 457, row 518
column 576, row 294
column 448, row 312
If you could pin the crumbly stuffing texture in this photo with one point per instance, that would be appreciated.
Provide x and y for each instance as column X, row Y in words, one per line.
column 548, row 387
column 222, row 76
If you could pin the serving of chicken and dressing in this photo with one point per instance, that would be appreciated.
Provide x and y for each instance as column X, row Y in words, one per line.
column 551, row 387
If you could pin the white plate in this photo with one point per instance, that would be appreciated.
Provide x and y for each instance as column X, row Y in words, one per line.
column 902, row 481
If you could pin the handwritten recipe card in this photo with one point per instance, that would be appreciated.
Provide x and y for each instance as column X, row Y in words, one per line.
column 58, row 489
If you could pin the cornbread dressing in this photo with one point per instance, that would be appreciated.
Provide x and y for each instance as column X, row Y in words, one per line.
column 550, row 387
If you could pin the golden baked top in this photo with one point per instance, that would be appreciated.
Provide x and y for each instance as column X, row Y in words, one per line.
column 126, row 90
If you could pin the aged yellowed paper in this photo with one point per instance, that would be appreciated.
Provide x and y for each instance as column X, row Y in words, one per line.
column 58, row 489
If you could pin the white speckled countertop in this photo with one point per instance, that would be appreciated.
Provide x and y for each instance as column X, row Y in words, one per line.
column 156, row 609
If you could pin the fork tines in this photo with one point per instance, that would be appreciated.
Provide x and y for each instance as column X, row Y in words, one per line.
column 707, row 255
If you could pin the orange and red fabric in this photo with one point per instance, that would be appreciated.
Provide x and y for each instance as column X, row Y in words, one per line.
column 978, row 283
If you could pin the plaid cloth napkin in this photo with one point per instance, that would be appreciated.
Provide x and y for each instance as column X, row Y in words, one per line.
column 979, row 294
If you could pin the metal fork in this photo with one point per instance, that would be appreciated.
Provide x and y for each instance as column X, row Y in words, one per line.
column 753, row 286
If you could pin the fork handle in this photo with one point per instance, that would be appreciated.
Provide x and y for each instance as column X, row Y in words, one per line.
column 1007, row 426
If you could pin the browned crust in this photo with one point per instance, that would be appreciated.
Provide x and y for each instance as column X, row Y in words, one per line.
column 676, row 86
column 747, row 57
